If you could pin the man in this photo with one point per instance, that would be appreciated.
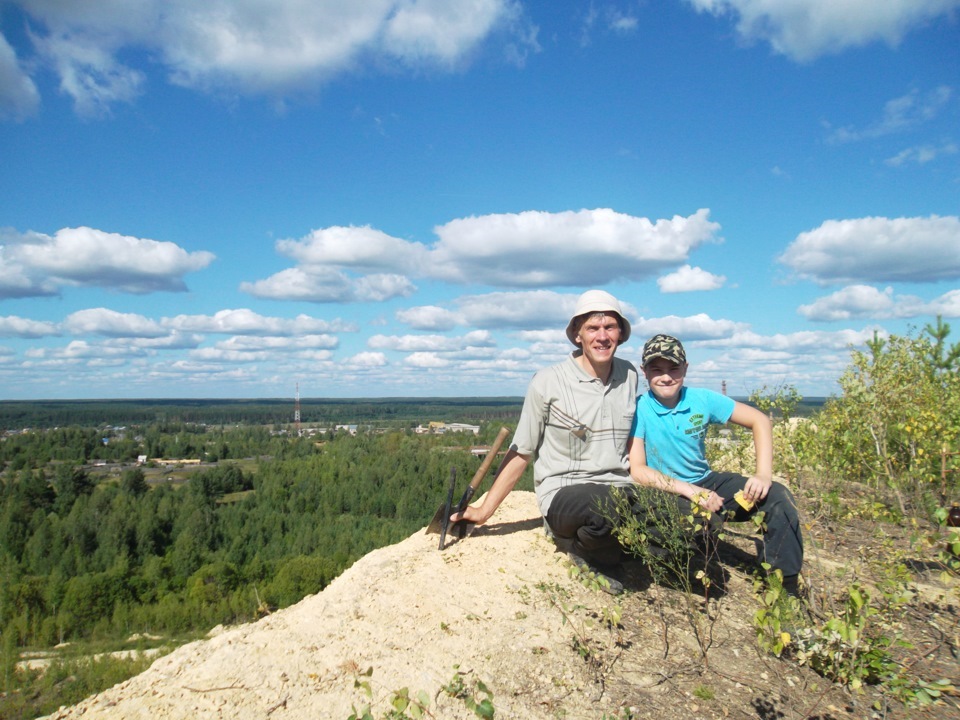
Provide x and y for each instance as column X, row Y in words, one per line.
column 667, row 451
column 575, row 426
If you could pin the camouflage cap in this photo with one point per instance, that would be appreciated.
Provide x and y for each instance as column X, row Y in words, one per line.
column 663, row 346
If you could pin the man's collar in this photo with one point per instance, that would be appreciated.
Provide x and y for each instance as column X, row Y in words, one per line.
column 586, row 376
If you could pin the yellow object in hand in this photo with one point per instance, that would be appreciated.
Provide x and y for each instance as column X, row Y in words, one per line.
column 742, row 500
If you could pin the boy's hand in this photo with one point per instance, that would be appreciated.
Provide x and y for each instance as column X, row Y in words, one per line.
column 757, row 488
column 708, row 500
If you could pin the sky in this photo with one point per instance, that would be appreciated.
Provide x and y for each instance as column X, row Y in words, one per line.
column 404, row 198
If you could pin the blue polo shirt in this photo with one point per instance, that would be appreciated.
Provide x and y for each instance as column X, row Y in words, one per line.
column 674, row 437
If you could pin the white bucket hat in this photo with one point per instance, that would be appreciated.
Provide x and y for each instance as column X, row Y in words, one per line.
column 595, row 301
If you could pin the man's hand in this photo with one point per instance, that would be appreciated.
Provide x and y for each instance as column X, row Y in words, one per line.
column 757, row 488
column 507, row 475
column 471, row 513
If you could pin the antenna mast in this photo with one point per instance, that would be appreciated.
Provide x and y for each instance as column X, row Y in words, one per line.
column 296, row 412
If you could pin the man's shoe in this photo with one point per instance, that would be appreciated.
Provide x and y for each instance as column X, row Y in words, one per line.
column 607, row 583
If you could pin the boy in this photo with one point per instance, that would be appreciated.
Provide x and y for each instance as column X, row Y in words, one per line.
column 667, row 451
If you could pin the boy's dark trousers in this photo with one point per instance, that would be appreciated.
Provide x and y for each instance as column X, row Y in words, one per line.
column 782, row 539
column 582, row 514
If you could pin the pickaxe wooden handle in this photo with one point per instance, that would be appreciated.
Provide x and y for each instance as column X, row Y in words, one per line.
column 441, row 520
column 478, row 477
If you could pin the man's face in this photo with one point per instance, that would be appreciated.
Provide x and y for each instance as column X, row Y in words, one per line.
column 665, row 379
column 599, row 336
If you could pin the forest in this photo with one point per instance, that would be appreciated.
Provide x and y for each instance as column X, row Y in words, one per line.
column 87, row 556
column 93, row 552
column 96, row 548
column 394, row 412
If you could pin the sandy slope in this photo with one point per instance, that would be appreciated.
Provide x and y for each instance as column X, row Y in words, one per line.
column 500, row 607
column 409, row 612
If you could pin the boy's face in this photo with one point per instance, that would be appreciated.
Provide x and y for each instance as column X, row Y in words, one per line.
column 665, row 379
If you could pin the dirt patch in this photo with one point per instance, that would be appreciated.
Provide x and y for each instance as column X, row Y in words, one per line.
column 502, row 607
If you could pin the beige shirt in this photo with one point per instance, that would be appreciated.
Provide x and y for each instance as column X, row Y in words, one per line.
column 576, row 427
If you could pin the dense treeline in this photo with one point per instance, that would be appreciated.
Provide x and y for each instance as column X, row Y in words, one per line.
column 386, row 411
column 81, row 558
column 184, row 441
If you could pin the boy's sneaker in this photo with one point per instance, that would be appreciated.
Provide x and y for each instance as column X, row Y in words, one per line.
column 794, row 586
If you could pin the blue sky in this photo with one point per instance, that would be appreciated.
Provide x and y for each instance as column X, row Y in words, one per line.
column 405, row 197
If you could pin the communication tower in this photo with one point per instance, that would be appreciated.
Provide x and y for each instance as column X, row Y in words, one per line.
column 296, row 412
column 723, row 387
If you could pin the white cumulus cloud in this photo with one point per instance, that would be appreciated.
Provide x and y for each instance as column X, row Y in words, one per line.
column 692, row 327
column 243, row 321
column 248, row 343
column 866, row 301
column 806, row 29
column 13, row 326
column 947, row 304
column 110, row 323
column 382, row 287
column 440, row 30
column 430, row 343
column 367, row 360
column 429, row 317
column 804, row 342
column 689, row 279
column 363, row 249
column 533, row 310
column 878, row 249
column 573, row 248
column 269, row 47
column 328, row 285
column 426, row 360
column 516, row 250
column 34, row 264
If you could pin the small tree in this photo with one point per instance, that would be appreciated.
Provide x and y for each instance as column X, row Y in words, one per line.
column 899, row 410
column 943, row 358
column 134, row 482
column 791, row 436
column 70, row 483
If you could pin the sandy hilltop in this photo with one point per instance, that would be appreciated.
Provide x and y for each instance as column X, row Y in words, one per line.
column 501, row 612
column 417, row 616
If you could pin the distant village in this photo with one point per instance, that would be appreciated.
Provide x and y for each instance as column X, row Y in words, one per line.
column 432, row 428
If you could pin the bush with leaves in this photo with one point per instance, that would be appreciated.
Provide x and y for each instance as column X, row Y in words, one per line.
column 404, row 705
column 897, row 419
column 794, row 446
column 676, row 540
